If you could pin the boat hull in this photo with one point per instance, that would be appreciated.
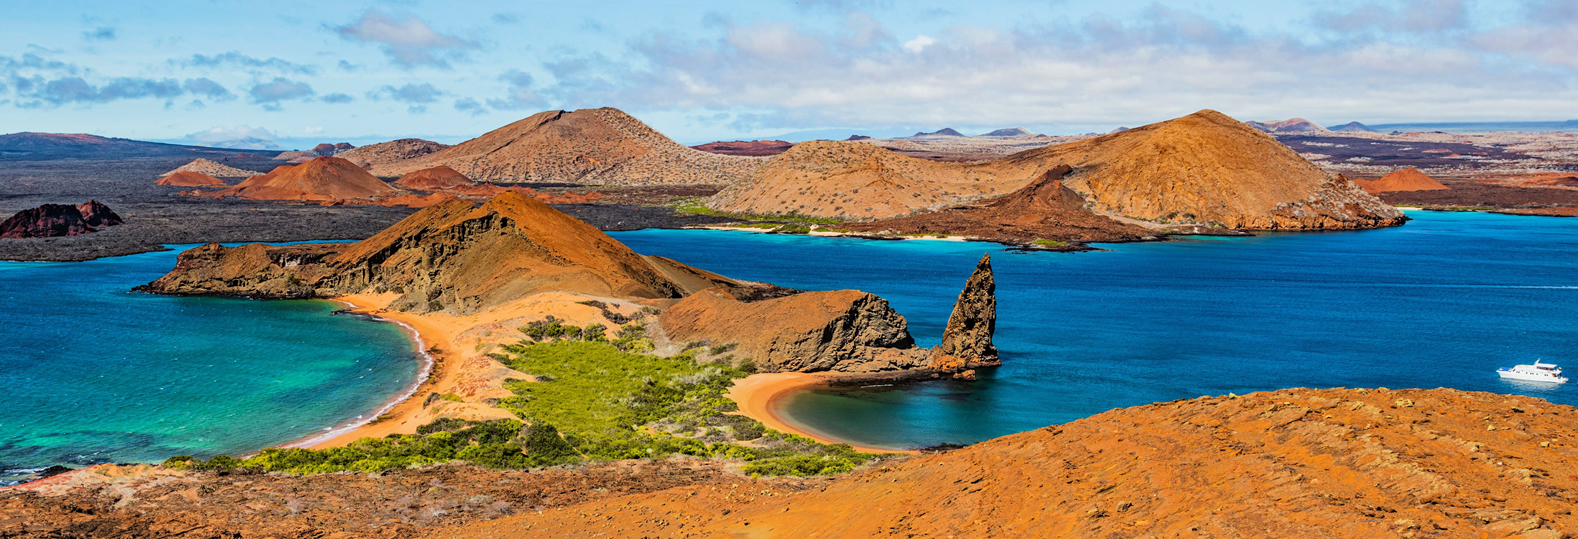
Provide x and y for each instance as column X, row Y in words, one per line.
column 1510, row 375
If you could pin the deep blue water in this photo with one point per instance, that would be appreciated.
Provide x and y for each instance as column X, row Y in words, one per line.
column 1440, row 302
column 94, row 372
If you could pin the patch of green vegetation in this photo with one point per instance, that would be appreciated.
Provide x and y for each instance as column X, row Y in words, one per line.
column 451, row 397
column 1039, row 242
column 698, row 206
column 593, row 401
column 554, row 329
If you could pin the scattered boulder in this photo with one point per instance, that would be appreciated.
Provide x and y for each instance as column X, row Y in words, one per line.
column 55, row 220
column 967, row 341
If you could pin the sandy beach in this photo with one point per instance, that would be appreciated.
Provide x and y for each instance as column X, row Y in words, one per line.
column 758, row 395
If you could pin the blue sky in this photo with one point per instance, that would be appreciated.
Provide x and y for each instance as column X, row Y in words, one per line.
column 300, row 72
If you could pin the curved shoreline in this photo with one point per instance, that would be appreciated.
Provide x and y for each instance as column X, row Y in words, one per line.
column 333, row 434
column 760, row 395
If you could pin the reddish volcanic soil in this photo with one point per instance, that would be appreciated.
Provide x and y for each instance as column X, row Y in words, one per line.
column 1042, row 210
column 1408, row 179
column 1481, row 194
column 754, row 148
column 323, row 179
column 1301, row 463
column 439, row 178
column 187, row 178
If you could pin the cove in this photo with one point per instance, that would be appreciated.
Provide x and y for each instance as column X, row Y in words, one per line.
column 1439, row 302
column 95, row 372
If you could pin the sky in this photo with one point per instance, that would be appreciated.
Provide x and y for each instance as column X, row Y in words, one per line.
column 297, row 73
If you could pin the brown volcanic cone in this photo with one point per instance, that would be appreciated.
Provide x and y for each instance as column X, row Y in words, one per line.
column 1042, row 210
column 187, row 178
column 756, row 148
column 439, row 178
column 390, row 152
column 1297, row 463
column 1408, row 179
column 589, row 146
column 322, row 179
column 1209, row 168
column 1205, row 168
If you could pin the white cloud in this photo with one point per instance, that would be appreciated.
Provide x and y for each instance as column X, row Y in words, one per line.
column 409, row 42
column 918, row 44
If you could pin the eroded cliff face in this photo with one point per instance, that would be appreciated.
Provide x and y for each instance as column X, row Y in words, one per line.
column 836, row 331
column 967, row 341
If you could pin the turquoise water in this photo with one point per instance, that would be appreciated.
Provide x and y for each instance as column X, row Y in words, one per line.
column 1440, row 302
column 94, row 372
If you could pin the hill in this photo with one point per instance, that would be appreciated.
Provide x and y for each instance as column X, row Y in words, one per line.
column 1203, row 169
column 55, row 220
column 1295, row 125
column 753, row 148
column 384, row 153
column 1045, row 210
column 1207, row 168
column 589, row 146
column 858, row 180
column 1307, row 463
column 944, row 132
column 187, row 178
column 210, row 168
column 1353, row 127
column 1010, row 132
column 84, row 146
column 1408, row 179
column 439, row 178
column 322, row 179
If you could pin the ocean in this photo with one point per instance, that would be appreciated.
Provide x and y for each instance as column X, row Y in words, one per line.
column 1442, row 301
column 94, row 372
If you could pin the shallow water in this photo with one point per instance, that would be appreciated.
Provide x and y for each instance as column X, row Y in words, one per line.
column 97, row 373
column 1440, row 302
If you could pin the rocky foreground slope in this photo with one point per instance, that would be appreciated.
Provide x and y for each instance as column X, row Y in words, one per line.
column 1201, row 169
column 589, row 146
column 1305, row 463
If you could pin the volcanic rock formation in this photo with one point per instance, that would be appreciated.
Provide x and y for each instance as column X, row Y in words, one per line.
column 54, row 220
column 589, row 146
column 1045, row 210
column 754, row 148
column 1202, row 169
column 1306, row 463
column 1408, row 179
column 210, row 168
column 322, row 179
column 1353, row 127
column 840, row 331
column 1207, row 168
column 967, row 341
column 393, row 151
column 448, row 256
column 187, row 178
column 944, row 132
column 439, row 178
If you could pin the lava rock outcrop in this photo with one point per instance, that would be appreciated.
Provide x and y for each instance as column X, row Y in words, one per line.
column 55, row 220
column 967, row 341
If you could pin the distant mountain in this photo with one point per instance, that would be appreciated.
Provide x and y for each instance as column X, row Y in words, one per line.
column 1353, row 127
column 857, row 137
column 248, row 143
column 944, row 132
column 1295, row 125
column 82, row 146
column 1009, row 132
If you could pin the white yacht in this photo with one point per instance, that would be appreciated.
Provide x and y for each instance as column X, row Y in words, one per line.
column 1538, row 372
